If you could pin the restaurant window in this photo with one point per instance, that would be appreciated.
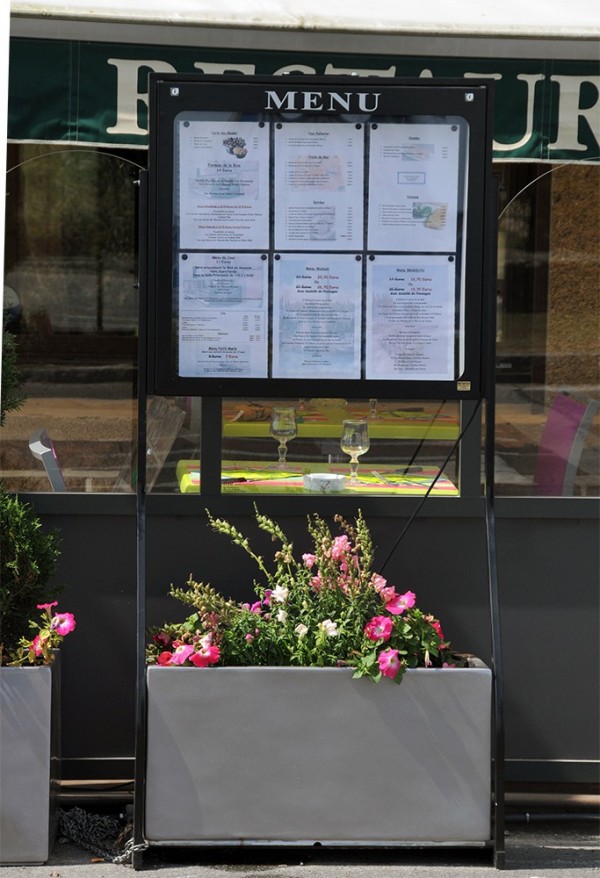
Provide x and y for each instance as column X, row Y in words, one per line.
column 547, row 368
column 71, row 302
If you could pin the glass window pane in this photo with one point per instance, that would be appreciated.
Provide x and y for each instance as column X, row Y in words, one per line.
column 548, row 426
column 268, row 446
column 71, row 301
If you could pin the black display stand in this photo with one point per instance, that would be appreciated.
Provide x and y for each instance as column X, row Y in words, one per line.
column 181, row 283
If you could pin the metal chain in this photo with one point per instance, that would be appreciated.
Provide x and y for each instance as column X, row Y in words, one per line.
column 90, row 830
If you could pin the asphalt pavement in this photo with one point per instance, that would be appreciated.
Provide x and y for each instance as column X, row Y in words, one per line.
column 552, row 846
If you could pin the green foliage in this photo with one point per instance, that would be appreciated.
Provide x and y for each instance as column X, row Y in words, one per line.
column 27, row 563
column 12, row 387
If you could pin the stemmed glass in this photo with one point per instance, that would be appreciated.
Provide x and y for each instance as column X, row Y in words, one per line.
column 283, row 428
column 354, row 441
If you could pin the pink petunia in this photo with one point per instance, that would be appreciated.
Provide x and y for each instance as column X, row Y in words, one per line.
column 309, row 559
column 37, row 643
column 47, row 607
column 204, row 657
column 165, row 658
column 437, row 628
column 401, row 602
column 379, row 628
column 63, row 623
column 389, row 663
column 181, row 653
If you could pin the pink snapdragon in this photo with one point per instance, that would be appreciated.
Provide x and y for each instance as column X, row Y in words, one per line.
column 316, row 583
column 339, row 547
column 398, row 604
column 379, row 628
column 378, row 582
column 63, row 623
column 389, row 663
column 309, row 560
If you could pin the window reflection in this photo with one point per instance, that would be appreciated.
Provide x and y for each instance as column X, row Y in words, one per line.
column 70, row 263
column 547, row 354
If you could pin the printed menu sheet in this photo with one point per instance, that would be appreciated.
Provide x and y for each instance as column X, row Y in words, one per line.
column 413, row 187
column 317, row 316
column 223, row 189
column 318, row 186
column 410, row 318
column 223, row 303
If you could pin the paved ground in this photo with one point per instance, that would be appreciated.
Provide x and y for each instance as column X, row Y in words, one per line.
column 539, row 849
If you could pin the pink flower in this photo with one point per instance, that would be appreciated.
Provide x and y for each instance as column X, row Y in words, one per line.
column 164, row 658
column 309, row 559
column 401, row 602
column 316, row 583
column 181, row 653
column 248, row 638
column 162, row 638
column 448, row 665
column 437, row 628
column 63, row 623
column 379, row 628
column 378, row 582
column 256, row 607
column 267, row 597
column 47, row 607
column 389, row 663
column 387, row 593
column 37, row 644
column 207, row 656
column 339, row 547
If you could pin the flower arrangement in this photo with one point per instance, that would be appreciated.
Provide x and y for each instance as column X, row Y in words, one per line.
column 326, row 610
column 51, row 632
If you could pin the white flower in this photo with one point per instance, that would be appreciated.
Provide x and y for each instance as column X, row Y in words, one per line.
column 301, row 630
column 330, row 628
column 279, row 594
column 281, row 616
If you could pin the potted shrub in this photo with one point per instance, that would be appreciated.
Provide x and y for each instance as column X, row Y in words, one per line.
column 264, row 724
column 30, row 633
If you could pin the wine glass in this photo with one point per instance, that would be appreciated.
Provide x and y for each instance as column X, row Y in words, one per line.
column 354, row 441
column 283, row 428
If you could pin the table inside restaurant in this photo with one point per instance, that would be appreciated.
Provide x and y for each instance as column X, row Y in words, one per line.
column 240, row 477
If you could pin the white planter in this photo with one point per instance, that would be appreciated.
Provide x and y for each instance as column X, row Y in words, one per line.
column 28, row 762
column 305, row 755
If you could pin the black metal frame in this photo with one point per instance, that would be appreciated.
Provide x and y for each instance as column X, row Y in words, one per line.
column 153, row 342
column 172, row 95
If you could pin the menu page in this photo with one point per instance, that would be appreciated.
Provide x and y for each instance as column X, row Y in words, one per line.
column 410, row 317
column 223, row 327
column 223, row 186
column 317, row 316
column 318, row 186
column 413, row 187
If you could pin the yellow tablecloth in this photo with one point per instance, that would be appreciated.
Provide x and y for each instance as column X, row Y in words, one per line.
column 240, row 477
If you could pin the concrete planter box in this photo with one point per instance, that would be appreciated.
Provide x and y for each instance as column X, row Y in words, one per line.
column 29, row 739
column 305, row 755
